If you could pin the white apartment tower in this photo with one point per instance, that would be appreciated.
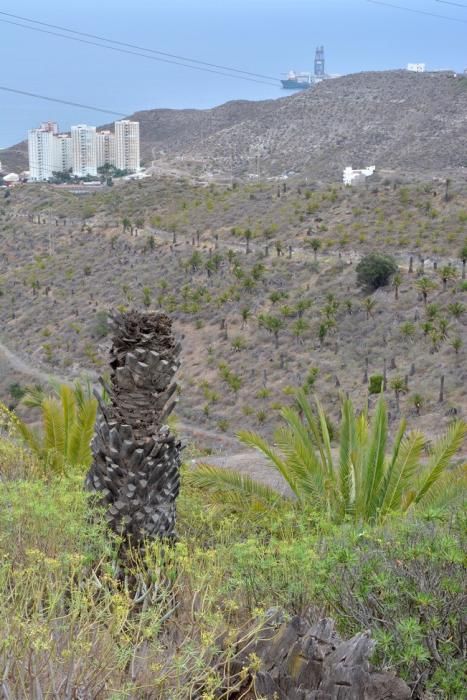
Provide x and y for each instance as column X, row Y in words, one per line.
column 63, row 161
column 83, row 144
column 127, row 156
column 105, row 148
column 41, row 154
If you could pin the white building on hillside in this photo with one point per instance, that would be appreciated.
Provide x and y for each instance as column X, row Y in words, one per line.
column 127, row 150
column 84, row 156
column 416, row 67
column 105, row 148
column 41, row 154
column 353, row 177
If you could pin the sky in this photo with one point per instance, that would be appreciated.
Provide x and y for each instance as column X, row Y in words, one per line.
column 262, row 36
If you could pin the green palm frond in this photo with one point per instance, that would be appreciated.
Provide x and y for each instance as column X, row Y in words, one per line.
column 79, row 449
column 68, row 401
column 347, row 476
column 33, row 397
column 443, row 452
column 233, row 488
column 402, row 469
column 375, row 458
column 256, row 441
column 31, row 438
column 451, row 488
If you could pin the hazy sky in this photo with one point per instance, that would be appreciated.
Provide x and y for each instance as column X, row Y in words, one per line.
column 265, row 36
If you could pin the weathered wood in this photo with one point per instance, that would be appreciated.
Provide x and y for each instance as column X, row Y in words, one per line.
column 301, row 661
column 136, row 459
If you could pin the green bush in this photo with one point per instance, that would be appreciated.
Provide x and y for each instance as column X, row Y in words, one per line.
column 376, row 384
column 375, row 270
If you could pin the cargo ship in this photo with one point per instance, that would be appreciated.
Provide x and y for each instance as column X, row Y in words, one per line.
column 303, row 81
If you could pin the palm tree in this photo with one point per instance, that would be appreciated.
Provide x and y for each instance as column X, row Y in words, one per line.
column 456, row 344
column 302, row 306
column 369, row 305
column 273, row 324
column 417, row 401
column 246, row 313
column 126, row 223
column 361, row 481
column 315, row 245
column 456, row 309
column 147, row 296
column 68, row 418
column 399, row 387
column 396, row 283
column 424, row 286
column 447, row 273
column 248, row 235
column 299, row 327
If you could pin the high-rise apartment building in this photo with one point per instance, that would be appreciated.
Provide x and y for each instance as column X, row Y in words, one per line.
column 49, row 126
column 41, row 154
column 84, row 155
column 105, row 148
column 127, row 152
column 63, row 161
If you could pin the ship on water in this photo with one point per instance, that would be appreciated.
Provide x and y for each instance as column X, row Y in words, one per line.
column 303, row 81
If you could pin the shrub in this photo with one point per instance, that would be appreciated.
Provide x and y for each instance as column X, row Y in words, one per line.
column 376, row 384
column 375, row 270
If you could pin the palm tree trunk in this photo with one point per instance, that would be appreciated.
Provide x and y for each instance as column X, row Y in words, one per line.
column 136, row 459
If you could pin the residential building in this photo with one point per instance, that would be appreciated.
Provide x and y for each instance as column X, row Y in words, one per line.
column 416, row 67
column 105, row 148
column 127, row 150
column 41, row 154
column 84, row 156
column 63, row 161
column 354, row 177
column 49, row 126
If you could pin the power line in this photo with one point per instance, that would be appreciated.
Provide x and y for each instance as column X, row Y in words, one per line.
column 418, row 12
column 135, row 46
column 203, row 66
column 63, row 102
column 449, row 2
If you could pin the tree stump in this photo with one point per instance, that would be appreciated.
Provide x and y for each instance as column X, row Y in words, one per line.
column 136, row 467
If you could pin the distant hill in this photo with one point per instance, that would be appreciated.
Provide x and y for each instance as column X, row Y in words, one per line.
column 397, row 120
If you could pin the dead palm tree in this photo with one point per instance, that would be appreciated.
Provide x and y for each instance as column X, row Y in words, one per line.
column 136, row 459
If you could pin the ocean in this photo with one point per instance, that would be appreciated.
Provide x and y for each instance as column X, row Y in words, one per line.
column 263, row 36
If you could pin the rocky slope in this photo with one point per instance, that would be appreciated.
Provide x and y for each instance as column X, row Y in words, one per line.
column 400, row 121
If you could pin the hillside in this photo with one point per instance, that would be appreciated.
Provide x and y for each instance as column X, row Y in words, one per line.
column 184, row 249
column 404, row 122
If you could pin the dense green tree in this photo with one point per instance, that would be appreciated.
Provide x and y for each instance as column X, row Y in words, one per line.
column 375, row 270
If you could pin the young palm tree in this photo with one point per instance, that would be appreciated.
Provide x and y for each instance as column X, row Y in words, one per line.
column 68, row 425
column 447, row 273
column 273, row 324
column 424, row 286
column 399, row 387
column 362, row 480
column 396, row 283
column 369, row 305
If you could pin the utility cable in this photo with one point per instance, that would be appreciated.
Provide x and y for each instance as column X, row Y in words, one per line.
column 135, row 46
column 418, row 12
column 241, row 75
column 454, row 4
column 63, row 102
